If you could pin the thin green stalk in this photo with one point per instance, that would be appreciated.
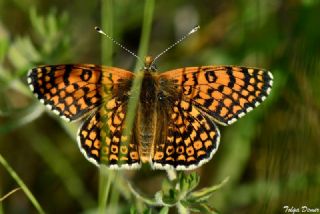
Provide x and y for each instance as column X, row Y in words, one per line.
column 107, row 18
column 23, row 186
column 8, row 194
column 105, row 179
column 1, row 207
column 105, row 175
column 143, row 48
column 146, row 30
column 114, row 199
column 107, row 26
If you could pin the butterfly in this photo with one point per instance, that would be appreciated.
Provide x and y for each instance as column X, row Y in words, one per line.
column 176, row 115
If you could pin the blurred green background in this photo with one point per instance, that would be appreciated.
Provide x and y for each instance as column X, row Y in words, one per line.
column 272, row 155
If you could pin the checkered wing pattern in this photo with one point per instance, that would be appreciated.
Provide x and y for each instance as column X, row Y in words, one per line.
column 76, row 90
column 73, row 90
column 187, row 101
column 203, row 95
column 101, row 140
column 226, row 93
column 191, row 138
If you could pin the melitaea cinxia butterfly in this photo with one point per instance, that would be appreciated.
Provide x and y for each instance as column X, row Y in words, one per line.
column 175, row 122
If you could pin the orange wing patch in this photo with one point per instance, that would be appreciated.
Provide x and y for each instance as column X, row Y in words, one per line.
column 100, row 138
column 191, row 140
column 224, row 92
column 71, row 91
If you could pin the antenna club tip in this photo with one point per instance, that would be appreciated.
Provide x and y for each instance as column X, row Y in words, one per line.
column 195, row 29
column 99, row 30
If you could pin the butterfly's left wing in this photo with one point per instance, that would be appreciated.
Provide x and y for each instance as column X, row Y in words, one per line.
column 191, row 99
column 226, row 93
column 186, row 136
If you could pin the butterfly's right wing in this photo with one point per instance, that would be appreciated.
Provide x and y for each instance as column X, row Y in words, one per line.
column 100, row 137
column 73, row 90
column 76, row 90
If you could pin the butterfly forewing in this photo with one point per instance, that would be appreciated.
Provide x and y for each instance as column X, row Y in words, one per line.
column 226, row 93
column 73, row 90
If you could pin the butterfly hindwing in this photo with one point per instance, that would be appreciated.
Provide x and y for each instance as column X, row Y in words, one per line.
column 191, row 138
column 100, row 138
column 224, row 92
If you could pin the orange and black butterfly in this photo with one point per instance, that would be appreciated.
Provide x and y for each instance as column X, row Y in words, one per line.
column 175, row 119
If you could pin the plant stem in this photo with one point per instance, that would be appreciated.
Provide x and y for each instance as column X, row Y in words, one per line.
column 107, row 26
column 115, row 193
column 182, row 209
column 23, row 186
column 105, row 175
column 9, row 193
column 146, row 30
column 105, row 179
column 136, row 85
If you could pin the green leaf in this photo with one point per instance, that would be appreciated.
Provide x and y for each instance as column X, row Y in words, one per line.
column 169, row 193
column 164, row 210
column 4, row 44
column 49, row 31
column 22, row 52
column 205, row 193
column 37, row 22
column 188, row 182
column 133, row 210
column 168, row 184
column 199, row 207
column 170, row 197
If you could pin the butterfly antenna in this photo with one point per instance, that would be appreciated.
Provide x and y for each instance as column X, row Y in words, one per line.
column 193, row 30
column 117, row 43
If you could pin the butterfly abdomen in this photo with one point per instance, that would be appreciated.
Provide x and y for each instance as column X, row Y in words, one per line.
column 146, row 117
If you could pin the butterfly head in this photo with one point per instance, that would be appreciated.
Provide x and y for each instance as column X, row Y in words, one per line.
column 149, row 64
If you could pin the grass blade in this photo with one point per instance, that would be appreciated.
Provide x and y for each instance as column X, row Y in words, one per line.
column 23, row 186
column 105, row 175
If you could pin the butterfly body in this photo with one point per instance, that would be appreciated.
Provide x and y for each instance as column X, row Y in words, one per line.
column 174, row 125
column 147, row 116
